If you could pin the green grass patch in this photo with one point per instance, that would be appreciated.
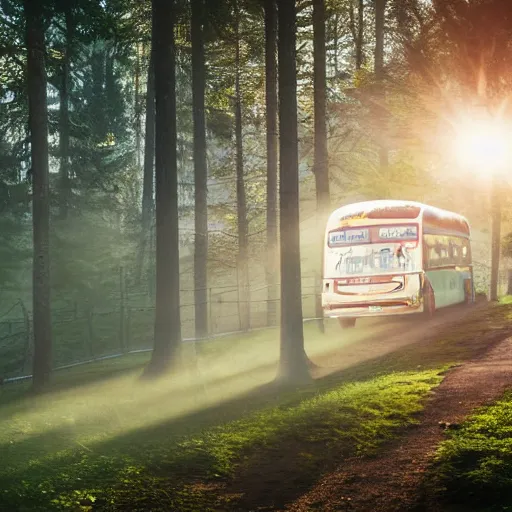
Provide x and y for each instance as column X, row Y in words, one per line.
column 160, row 469
column 474, row 466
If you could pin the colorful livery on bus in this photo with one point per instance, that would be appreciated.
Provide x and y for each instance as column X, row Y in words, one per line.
column 393, row 257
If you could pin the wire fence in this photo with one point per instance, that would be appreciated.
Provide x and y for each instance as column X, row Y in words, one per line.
column 84, row 332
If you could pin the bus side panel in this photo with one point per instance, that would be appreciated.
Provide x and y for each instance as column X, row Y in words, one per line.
column 448, row 286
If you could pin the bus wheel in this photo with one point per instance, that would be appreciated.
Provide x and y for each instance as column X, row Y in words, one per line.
column 347, row 323
column 429, row 304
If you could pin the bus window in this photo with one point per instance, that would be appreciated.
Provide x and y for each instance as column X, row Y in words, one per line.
column 454, row 252
column 441, row 251
column 466, row 253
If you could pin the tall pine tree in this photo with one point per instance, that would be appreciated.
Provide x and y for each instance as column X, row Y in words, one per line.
column 38, row 123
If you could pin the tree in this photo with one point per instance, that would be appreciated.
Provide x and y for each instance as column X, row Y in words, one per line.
column 380, row 11
column 357, row 30
column 64, row 121
column 149, row 149
column 464, row 46
column 321, row 163
column 495, row 238
column 271, row 118
column 167, row 315
column 241, row 199
column 200, row 170
column 293, row 365
column 506, row 251
column 360, row 35
column 38, row 122
column 148, row 205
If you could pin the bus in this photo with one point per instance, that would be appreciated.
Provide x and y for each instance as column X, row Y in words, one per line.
column 390, row 257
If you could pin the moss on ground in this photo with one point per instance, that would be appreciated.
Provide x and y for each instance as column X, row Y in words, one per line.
column 473, row 467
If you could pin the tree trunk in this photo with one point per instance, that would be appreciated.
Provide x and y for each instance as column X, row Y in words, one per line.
column 380, row 9
column 64, row 136
column 149, row 148
column 111, row 90
column 167, row 315
column 137, row 106
column 241, row 201
column 200, row 171
column 381, row 114
column 38, row 123
column 360, row 35
column 271, row 115
column 100, row 117
column 496, row 238
column 293, row 367
column 336, row 42
column 321, row 164
column 149, row 171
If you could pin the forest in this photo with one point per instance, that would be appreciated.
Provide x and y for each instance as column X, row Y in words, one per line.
column 167, row 170
column 127, row 208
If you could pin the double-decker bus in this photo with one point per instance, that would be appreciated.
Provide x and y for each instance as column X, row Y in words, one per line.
column 393, row 257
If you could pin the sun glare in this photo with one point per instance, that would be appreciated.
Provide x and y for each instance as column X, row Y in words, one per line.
column 483, row 146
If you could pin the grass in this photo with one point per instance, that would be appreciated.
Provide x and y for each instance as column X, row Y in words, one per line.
column 156, row 471
column 102, row 440
column 506, row 299
column 474, row 467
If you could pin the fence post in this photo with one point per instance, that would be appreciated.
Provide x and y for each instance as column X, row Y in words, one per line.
column 122, row 311
column 238, row 297
column 90, row 328
column 128, row 328
column 28, row 339
column 210, row 318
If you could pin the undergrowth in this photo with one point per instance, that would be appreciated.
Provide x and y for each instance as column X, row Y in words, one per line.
column 474, row 466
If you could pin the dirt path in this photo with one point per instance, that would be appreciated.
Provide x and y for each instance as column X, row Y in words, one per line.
column 390, row 481
column 379, row 340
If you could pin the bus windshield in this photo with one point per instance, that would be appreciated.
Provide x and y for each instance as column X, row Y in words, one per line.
column 373, row 250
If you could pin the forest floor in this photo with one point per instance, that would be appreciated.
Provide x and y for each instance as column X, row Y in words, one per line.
column 361, row 436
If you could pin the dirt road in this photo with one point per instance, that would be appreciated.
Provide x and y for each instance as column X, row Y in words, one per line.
column 373, row 338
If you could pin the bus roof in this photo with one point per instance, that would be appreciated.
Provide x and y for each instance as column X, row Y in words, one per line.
column 434, row 220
